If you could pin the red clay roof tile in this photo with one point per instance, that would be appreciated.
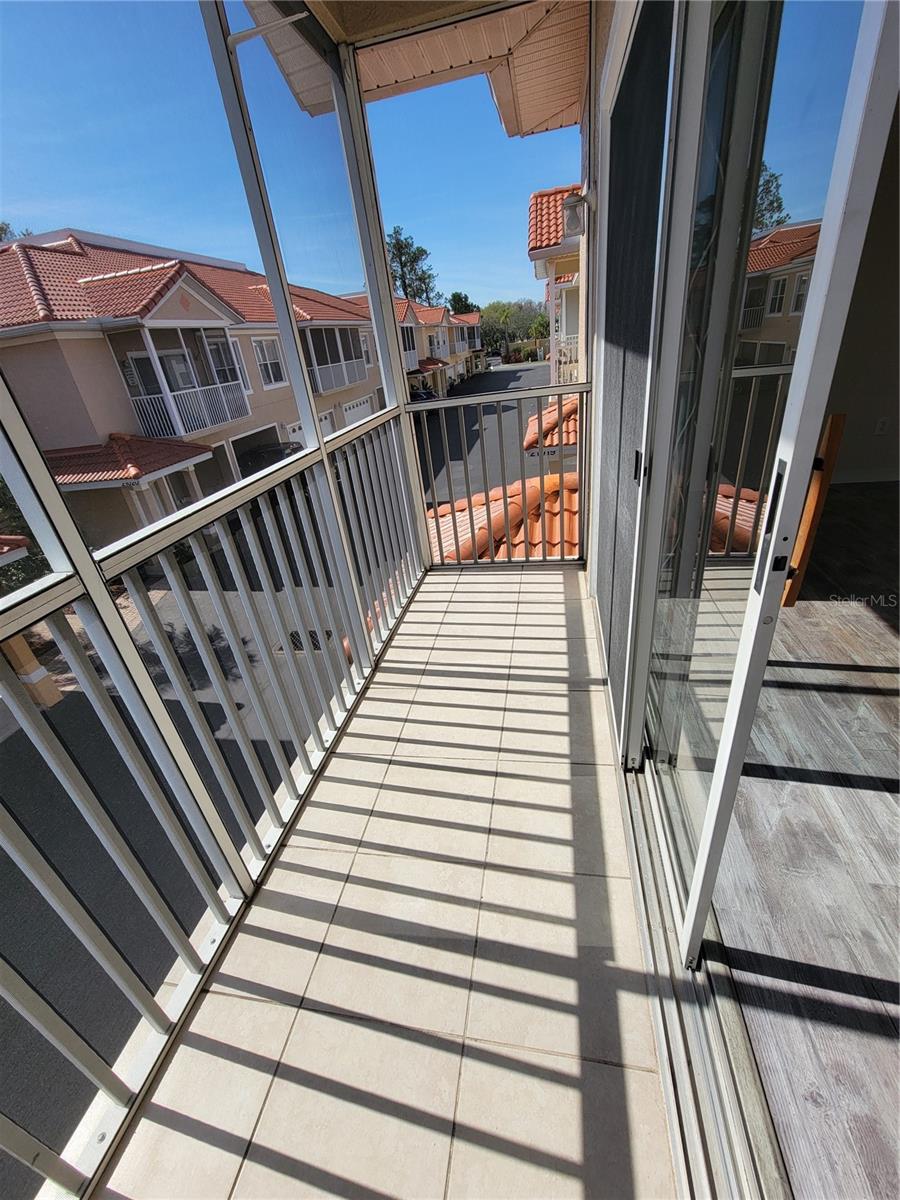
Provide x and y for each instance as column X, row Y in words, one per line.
column 782, row 246
column 545, row 216
column 75, row 280
column 125, row 457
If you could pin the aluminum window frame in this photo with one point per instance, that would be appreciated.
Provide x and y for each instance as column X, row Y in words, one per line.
column 267, row 362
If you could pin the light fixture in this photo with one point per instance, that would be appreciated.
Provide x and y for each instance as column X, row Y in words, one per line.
column 574, row 207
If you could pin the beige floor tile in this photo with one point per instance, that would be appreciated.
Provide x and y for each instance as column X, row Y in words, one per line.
column 378, row 720
column 272, row 955
column 558, row 967
column 435, row 807
column 454, row 731
column 335, row 813
column 558, row 727
column 560, row 664
column 198, row 1120
column 356, row 1109
column 400, row 944
column 543, row 1127
column 558, row 818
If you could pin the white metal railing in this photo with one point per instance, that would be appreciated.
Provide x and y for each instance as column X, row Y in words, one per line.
column 756, row 403
column 197, row 408
column 155, row 418
column 752, row 317
column 502, row 476
column 253, row 619
column 330, row 376
column 205, row 407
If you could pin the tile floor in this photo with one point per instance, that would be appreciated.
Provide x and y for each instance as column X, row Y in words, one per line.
column 439, row 991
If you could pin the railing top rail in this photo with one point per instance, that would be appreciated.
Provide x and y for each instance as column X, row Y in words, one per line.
column 556, row 389
column 341, row 437
column 152, row 539
column 753, row 372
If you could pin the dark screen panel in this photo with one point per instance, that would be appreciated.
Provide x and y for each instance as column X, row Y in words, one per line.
column 637, row 132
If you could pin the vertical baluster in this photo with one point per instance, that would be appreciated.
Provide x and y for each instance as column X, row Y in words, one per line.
column 449, row 474
column 431, row 486
column 543, row 489
column 464, row 450
column 487, row 485
column 502, row 449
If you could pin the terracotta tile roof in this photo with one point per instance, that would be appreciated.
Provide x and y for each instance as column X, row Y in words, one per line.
column 745, row 513
column 550, row 422
column 545, row 216
column 560, row 519
column 782, row 246
column 437, row 314
column 472, row 318
column 124, row 457
column 76, row 280
column 567, row 277
column 430, row 364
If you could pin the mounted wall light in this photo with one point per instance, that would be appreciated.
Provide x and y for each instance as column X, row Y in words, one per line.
column 574, row 215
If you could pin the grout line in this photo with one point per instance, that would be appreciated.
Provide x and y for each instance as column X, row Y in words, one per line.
column 602, row 1062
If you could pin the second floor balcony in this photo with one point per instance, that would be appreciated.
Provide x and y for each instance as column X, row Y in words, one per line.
column 193, row 409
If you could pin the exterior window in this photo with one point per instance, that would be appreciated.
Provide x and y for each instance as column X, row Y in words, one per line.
column 366, row 351
column 268, row 358
column 776, row 299
column 408, row 335
column 221, row 355
column 800, row 289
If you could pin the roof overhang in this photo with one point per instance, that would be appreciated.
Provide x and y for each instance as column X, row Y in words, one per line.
column 93, row 485
column 564, row 258
column 534, row 54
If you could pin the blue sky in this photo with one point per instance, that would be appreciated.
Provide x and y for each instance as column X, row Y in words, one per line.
column 112, row 121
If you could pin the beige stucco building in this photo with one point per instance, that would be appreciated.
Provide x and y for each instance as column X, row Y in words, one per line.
column 152, row 377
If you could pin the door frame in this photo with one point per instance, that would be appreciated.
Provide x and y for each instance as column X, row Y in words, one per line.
column 754, row 71
column 859, row 155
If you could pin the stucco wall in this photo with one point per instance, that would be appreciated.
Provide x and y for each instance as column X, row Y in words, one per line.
column 102, row 515
column 40, row 375
column 101, row 387
column 181, row 305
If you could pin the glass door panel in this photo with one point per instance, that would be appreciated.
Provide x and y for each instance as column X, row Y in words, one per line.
column 733, row 391
column 688, row 636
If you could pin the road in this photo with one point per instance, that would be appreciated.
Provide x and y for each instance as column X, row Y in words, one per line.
column 504, row 426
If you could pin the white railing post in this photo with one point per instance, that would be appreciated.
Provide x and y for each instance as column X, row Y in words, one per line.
column 228, row 74
column 364, row 194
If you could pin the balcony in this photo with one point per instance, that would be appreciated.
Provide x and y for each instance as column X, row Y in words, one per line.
column 752, row 317
column 353, row 830
column 197, row 409
column 439, row 988
column 411, row 359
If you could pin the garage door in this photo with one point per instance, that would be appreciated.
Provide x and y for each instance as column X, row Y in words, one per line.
column 355, row 410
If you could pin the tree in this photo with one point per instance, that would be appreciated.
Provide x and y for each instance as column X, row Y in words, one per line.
column 411, row 272
column 460, row 303
column 503, row 321
column 8, row 234
column 769, row 212
column 540, row 327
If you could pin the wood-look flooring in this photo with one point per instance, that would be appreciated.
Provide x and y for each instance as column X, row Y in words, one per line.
column 807, row 897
